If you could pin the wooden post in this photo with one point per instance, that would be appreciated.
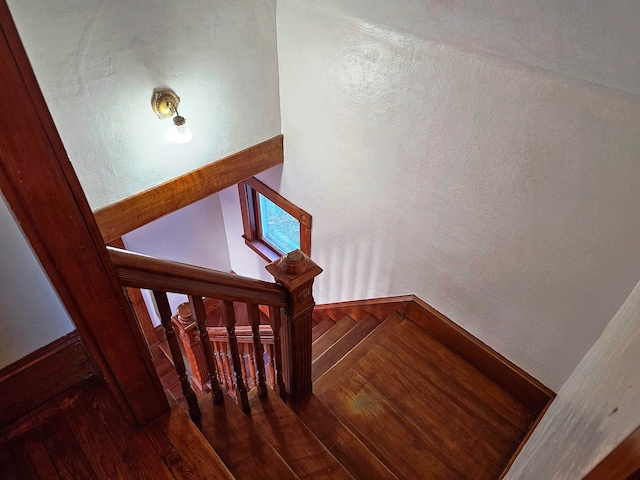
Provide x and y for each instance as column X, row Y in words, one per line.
column 165, row 317
column 229, row 317
column 258, row 350
column 198, row 310
column 296, row 271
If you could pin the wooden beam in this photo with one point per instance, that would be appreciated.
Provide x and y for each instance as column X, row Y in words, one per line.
column 138, row 210
column 42, row 190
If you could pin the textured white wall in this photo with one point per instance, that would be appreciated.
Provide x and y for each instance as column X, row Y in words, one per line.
column 503, row 194
column 98, row 62
column 595, row 410
column 194, row 235
column 32, row 315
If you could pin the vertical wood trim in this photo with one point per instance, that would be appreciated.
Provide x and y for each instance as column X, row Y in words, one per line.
column 43, row 192
column 138, row 305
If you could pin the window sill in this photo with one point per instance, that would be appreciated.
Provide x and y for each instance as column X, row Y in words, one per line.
column 262, row 249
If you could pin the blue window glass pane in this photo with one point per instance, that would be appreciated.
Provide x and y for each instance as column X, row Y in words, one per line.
column 279, row 229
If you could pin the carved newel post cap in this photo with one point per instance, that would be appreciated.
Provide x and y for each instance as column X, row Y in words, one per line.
column 184, row 314
column 293, row 263
column 293, row 269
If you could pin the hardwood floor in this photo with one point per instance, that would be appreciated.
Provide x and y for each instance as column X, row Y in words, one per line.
column 82, row 434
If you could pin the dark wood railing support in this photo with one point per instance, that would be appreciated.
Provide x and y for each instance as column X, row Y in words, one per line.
column 296, row 272
column 165, row 317
column 200, row 314
column 258, row 351
column 275, row 319
column 229, row 318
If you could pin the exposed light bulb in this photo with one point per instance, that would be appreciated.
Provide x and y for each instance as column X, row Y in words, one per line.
column 181, row 132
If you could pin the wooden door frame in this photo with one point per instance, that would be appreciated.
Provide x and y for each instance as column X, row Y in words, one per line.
column 43, row 192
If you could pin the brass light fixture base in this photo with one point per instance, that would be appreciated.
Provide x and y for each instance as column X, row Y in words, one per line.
column 165, row 103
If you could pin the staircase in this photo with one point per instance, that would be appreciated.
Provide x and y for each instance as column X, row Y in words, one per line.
column 389, row 401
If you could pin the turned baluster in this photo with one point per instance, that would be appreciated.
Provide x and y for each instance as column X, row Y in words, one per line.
column 229, row 317
column 295, row 271
column 258, row 351
column 275, row 319
column 270, row 366
column 164, row 309
column 220, row 355
column 200, row 314
column 250, row 366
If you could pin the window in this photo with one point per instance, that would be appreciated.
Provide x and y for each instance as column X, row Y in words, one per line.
column 273, row 226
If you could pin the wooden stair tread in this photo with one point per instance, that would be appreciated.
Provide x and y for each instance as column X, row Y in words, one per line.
column 354, row 456
column 192, row 445
column 235, row 438
column 479, row 451
column 321, row 328
column 294, row 441
column 375, row 337
column 331, row 336
column 400, row 444
column 343, row 346
column 489, row 400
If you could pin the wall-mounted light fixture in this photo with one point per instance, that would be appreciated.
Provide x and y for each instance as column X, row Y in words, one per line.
column 165, row 104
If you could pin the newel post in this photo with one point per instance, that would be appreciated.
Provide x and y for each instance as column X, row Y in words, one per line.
column 296, row 271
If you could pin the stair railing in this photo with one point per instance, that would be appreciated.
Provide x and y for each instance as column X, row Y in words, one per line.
column 290, row 303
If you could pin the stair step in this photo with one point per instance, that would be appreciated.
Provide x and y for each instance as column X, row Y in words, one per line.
column 331, row 336
column 270, row 442
column 294, row 441
column 234, row 437
column 343, row 346
column 325, row 381
column 321, row 328
column 348, row 449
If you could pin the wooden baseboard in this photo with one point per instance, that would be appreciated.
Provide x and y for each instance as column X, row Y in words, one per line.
column 381, row 308
column 522, row 386
column 41, row 375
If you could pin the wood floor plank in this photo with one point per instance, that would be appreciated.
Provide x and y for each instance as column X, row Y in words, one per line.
column 296, row 444
column 492, row 402
column 192, row 447
column 385, row 430
column 331, row 336
column 334, row 373
column 321, row 328
column 38, row 457
column 92, row 437
column 457, row 435
column 59, row 439
column 356, row 458
column 134, row 445
column 343, row 346
column 236, row 439
column 9, row 468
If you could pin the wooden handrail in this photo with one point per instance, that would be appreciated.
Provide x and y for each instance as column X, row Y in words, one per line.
column 142, row 271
